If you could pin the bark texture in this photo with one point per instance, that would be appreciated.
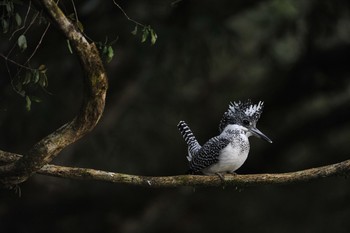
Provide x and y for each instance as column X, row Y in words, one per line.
column 337, row 169
column 16, row 168
column 95, row 87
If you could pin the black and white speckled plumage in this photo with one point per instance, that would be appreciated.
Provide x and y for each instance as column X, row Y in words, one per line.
column 240, row 111
column 190, row 139
column 212, row 157
column 229, row 150
column 208, row 154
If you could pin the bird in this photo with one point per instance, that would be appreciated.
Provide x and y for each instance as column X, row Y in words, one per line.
column 226, row 152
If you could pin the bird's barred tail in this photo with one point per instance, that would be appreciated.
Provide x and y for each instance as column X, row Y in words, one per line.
column 190, row 139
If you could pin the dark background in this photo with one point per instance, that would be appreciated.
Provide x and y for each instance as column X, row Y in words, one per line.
column 294, row 55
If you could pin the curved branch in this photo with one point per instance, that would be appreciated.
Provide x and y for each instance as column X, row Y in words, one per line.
column 16, row 168
column 337, row 169
column 95, row 87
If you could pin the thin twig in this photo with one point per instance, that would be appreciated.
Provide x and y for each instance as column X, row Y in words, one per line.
column 75, row 11
column 175, row 2
column 30, row 24
column 126, row 16
column 24, row 21
column 38, row 45
column 14, row 62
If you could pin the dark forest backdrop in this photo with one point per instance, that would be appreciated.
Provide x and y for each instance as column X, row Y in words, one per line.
column 294, row 55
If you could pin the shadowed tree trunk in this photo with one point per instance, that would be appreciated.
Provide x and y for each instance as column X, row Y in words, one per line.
column 95, row 87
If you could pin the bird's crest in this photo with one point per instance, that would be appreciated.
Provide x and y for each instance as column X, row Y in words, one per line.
column 239, row 111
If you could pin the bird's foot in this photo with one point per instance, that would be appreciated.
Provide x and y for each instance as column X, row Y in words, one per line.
column 222, row 178
column 233, row 173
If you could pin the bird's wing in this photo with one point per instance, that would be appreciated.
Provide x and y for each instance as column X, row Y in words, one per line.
column 208, row 154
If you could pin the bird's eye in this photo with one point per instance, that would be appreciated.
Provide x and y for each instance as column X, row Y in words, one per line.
column 245, row 122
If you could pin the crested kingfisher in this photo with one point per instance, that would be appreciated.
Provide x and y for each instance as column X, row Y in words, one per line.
column 228, row 151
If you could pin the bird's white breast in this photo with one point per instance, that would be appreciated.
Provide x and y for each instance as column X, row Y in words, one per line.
column 231, row 157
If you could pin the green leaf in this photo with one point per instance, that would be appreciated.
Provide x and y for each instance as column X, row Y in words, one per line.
column 69, row 47
column 28, row 103
column 18, row 19
column 27, row 78
column 134, row 32
column 22, row 42
column 43, row 80
column 145, row 34
column 80, row 26
column 9, row 7
column 105, row 49
column 36, row 76
column 4, row 25
column 18, row 87
column 42, row 68
column 110, row 54
column 35, row 99
column 153, row 37
column 22, row 93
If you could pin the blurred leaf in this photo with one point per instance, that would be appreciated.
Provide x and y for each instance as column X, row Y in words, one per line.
column 9, row 7
column 75, row 20
column 35, row 99
column 22, row 93
column 28, row 103
column 105, row 49
column 110, row 54
column 27, row 78
column 43, row 80
column 18, row 87
column 153, row 36
column 42, row 68
column 69, row 47
column 18, row 19
column 134, row 32
column 36, row 76
column 4, row 25
column 22, row 42
column 145, row 33
column 80, row 26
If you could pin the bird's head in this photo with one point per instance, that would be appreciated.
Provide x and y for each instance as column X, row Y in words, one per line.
column 246, row 115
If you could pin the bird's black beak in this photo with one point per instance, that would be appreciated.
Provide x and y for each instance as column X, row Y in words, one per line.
column 259, row 134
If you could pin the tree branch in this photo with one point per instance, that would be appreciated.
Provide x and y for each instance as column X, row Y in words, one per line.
column 95, row 87
column 16, row 168
column 337, row 169
column 340, row 169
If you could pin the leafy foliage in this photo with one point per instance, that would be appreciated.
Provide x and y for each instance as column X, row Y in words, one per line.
column 9, row 18
column 106, row 49
column 27, row 79
column 22, row 42
column 146, row 32
column 27, row 84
